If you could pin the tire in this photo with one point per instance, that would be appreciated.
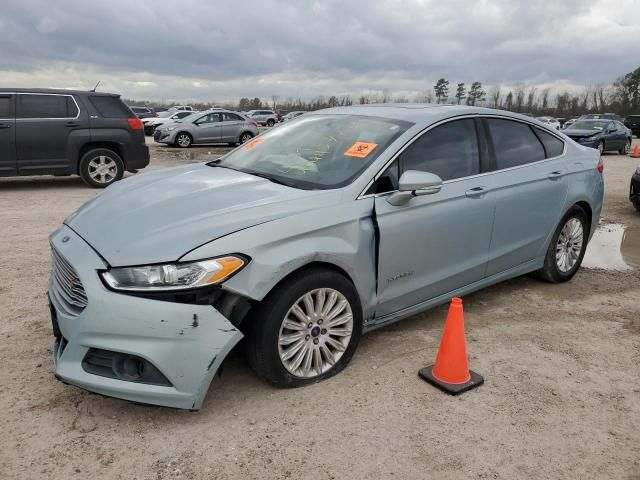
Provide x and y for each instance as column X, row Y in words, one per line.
column 636, row 203
column 183, row 140
column 601, row 147
column 626, row 149
column 270, row 123
column 100, row 167
column 245, row 137
column 553, row 270
column 265, row 347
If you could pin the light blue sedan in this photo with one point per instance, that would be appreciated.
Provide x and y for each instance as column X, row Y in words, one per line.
column 303, row 238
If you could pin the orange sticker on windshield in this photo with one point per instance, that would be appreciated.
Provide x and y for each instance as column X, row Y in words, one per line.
column 360, row 149
column 252, row 143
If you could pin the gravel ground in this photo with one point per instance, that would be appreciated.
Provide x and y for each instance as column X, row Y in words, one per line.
column 561, row 397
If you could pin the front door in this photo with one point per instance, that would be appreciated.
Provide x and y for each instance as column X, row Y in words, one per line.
column 43, row 125
column 8, row 165
column 208, row 128
column 437, row 243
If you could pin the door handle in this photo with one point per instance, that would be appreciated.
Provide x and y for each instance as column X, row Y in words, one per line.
column 556, row 174
column 476, row 192
column 72, row 124
column 5, row 126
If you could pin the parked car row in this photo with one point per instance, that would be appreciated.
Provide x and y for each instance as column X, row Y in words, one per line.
column 602, row 134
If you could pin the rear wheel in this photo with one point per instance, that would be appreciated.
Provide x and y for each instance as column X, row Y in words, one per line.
column 245, row 137
column 270, row 122
column 567, row 247
column 183, row 140
column 626, row 149
column 101, row 167
column 306, row 330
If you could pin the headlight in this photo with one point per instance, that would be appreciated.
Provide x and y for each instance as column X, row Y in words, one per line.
column 173, row 276
column 591, row 138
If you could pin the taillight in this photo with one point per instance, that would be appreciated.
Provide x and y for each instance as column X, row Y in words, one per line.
column 155, row 114
column 135, row 123
column 600, row 165
column 252, row 122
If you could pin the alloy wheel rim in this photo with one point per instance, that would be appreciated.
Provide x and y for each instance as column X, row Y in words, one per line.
column 245, row 138
column 601, row 147
column 627, row 147
column 569, row 245
column 184, row 140
column 103, row 169
column 315, row 332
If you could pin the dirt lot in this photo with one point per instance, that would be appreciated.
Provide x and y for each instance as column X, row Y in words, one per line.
column 561, row 398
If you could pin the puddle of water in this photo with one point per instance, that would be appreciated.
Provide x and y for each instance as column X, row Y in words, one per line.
column 614, row 247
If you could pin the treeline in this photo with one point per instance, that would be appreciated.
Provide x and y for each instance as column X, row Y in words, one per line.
column 621, row 97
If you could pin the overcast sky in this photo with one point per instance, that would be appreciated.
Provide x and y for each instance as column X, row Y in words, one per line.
column 222, row 50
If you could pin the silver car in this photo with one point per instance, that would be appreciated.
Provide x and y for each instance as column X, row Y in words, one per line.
column 211, row 126
column 263, row 117
column 306, row 237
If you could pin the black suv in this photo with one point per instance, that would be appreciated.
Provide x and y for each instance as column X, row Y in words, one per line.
column 65, row 132
column 632, row 122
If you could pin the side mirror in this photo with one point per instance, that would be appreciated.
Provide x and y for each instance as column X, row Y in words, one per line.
column 414, row 184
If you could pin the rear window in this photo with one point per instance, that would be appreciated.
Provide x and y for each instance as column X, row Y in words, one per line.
column 5, row 107
column 515, row 143
column 110, row 107
column 46, row 106
column 552, row 144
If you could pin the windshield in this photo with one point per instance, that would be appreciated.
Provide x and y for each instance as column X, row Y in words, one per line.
column 316, row 151
column 592, row 125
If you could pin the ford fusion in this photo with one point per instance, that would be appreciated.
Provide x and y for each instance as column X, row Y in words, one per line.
column 304, row 238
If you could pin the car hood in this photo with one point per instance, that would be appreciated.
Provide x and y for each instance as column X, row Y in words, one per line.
column 580, row 133
column 160, row 216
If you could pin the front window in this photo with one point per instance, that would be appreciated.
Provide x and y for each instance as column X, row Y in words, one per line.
column 316, row 152
column 595, row 126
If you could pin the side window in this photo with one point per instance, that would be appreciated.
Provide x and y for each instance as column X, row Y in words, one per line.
column 450, row 151
column 230, row 117
column 552, row 144
column 5, row 108
column 109, row 107
column 514, row 143
column 208, row 118
column 45, row 106
column 388, row 181
column 182, row 114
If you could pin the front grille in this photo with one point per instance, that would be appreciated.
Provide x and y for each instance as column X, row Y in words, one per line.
column 65, row 287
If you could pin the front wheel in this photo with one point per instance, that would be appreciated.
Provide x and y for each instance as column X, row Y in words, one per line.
column 567, row 247
column 183, row 140
column 306, row 329
column 626, row 149
column 601, row 147
column 100, row 167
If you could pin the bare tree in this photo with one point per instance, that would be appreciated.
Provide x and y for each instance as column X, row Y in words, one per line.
column 494, row 94
column 531, row 99
column 519, row 100
column 545, row 101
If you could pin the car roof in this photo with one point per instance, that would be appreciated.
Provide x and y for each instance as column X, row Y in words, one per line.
column 58, row 91
column 417, row 112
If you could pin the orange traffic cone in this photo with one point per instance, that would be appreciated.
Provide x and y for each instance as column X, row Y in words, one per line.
column 635, row 153
column 451, row 371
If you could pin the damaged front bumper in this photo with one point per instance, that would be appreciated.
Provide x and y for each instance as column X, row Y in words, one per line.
column 182, row 345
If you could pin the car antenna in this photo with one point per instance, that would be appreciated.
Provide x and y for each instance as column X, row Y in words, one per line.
column 94, row 88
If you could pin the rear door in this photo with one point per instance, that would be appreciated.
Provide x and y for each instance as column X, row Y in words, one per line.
column 208, row 128
column 8, row 164
column 44, row 124
column 231, row 126
column 529, row 182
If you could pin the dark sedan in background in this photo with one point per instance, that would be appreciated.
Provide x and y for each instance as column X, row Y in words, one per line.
column 632, row 122
column 601, row 134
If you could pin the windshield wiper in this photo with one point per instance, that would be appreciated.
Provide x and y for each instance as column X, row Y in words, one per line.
column 268, row 177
